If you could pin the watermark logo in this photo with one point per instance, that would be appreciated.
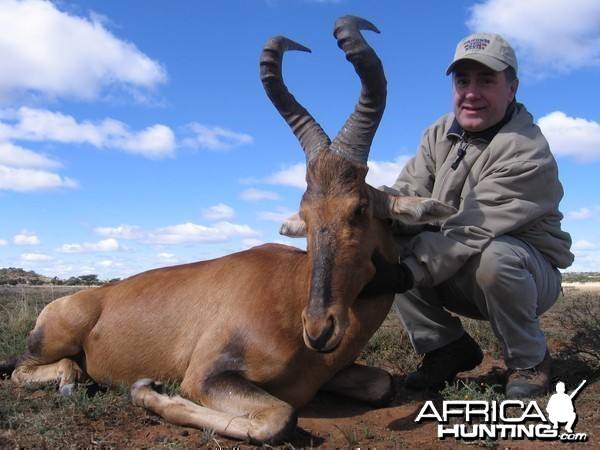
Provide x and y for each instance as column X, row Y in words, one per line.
column 508, row 419
column 560, row 407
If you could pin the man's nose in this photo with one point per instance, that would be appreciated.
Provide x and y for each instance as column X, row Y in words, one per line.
column 472, row 91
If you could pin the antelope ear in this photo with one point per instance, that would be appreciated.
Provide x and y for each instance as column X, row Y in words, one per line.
column 293, row 227
column 417, row 210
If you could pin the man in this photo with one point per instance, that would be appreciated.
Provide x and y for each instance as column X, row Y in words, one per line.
column 560, row 407
column 497, row 258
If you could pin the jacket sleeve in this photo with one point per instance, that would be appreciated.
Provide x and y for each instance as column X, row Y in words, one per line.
column 506, row 201
column 516, row 190
column 415, row 180
column 418, row 175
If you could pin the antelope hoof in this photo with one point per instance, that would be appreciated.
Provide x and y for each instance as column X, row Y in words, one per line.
column 66, row 390
column 140, row 388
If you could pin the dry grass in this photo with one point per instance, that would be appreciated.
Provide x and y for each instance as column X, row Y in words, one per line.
column 38, row 417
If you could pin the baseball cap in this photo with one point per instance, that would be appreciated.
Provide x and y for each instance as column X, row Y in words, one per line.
column 491, row 50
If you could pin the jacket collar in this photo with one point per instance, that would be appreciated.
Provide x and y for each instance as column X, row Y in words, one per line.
column 487, row 135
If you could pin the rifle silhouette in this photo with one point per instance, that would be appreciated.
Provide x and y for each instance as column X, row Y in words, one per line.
column 576, row 391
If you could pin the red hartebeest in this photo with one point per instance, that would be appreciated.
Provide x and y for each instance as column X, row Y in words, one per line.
column 254, row 335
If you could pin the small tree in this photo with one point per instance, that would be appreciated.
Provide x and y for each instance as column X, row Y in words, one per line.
column 89, row 280
column 73, row 281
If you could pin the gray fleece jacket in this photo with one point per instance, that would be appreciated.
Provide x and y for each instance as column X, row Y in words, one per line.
column 502, row 183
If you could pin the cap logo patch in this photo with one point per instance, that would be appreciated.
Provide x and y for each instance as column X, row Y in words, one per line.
column 475, row 44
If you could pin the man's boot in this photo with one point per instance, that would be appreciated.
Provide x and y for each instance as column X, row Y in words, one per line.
column 530, row 382
column 441, row 365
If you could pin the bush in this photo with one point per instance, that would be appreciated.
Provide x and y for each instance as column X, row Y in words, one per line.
column 581, row 318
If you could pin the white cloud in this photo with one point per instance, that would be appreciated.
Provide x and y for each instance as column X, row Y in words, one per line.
column 28, row 180
column 586, row 256
column 35, row 257
column 249, row 243
column 47, row 51
column 106, row 245
column 254, row 195
column 120, row 232
column 156, row 141
column 548, row 36
column 293, row 175
column 385, row 172
column 583, row 246
column 222, row 231
column 110, row 264
column 218, row 211
column 275, row 216
column 592, row 213
column 380, row 173
column 34, row 124
column 215, row 138
column 572, row 136
column 191, row 232
column 18, row 157
column 23, row 170
column 26, row 237
column 167, row 258
column 3, row 242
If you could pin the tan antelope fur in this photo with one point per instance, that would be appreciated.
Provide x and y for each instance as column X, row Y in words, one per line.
column 254, row 335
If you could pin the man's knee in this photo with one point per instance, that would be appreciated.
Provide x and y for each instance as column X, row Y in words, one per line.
column 497, row 263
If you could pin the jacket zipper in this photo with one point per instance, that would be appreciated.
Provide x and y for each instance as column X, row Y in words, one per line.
column 462, row 151
column 461, row 154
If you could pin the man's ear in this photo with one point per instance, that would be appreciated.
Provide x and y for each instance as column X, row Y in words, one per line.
column 293, row 227
column 513, row 89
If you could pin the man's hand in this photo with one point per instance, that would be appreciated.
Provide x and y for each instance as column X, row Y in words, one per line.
column 389, row 278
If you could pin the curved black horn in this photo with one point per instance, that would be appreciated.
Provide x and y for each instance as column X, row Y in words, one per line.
column 310, row 134
column 354, row 139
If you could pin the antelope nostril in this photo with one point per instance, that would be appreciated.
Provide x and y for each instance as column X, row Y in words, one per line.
column 319, row 342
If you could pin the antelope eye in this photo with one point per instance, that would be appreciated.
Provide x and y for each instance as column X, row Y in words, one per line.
column 361, row 210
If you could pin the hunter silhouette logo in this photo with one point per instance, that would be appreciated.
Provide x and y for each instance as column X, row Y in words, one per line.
column 560, row 407
column 507, row 419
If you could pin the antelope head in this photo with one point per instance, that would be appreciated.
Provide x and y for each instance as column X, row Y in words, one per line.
column 342, row 216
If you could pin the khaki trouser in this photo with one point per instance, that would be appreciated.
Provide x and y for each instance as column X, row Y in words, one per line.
column 510, row 284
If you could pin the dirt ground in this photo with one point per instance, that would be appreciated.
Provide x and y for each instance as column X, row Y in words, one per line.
column 335, row 423
column 332, row 422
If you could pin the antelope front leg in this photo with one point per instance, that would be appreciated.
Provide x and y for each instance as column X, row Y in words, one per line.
column 234, row 407
column 365, row 383
column 65, row 371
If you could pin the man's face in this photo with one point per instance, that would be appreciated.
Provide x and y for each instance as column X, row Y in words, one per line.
column 481, row 95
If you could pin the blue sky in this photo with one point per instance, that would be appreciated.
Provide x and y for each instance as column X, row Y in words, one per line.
column 136, row 134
